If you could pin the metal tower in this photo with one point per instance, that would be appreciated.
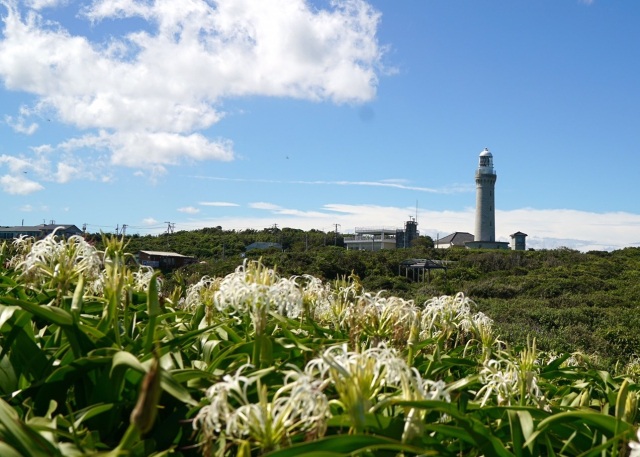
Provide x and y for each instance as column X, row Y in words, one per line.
column 485, row 199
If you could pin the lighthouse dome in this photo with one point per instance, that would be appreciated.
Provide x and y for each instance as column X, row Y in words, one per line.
column 486, row 162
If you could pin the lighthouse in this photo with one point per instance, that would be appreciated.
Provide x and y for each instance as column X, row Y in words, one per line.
column 485, row 236
column 485, row 199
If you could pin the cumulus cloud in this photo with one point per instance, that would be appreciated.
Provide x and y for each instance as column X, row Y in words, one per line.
column 18, row 185
column 41, row 165
column 150, row 90
column 15, row 164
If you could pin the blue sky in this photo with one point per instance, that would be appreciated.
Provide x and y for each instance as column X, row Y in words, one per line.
column 308, row 114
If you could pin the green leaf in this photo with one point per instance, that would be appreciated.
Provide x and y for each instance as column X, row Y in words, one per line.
column 345, row 445
column 124, row 360
column 90, row 412
column 22, row 437
column 49, row 313
column 8, row 378
column 8, row 451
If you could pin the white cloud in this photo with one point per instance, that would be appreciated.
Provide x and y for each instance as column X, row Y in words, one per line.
column 219, row 204
column 60, row 168
column 189, row 210
column 40, row 4
column 19, row 125
column 26, row 208
column 389, row 183
column 149, row 221
column 150, row 89
column 18, row 185
column 65, row 172
column 265, row 206
column 140, row 148
column 15, row 164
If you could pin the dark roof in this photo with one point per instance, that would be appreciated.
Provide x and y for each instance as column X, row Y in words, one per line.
column 423, row 263
column 263, row 245
column 456, row 238
column 518, row 234
column 45, row 228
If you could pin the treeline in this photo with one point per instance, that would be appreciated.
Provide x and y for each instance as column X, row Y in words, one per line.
column 569, row 301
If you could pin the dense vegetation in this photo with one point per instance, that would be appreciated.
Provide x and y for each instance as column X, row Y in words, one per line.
column 100, row 356
column 569, row 301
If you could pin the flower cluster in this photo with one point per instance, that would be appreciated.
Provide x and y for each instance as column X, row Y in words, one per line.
column 299, row 406
column 363, row 380
column 56, row 262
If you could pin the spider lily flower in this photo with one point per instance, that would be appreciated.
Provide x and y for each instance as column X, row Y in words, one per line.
column 315, row 297
column 500, row 379
column 481, row 330
column 363, row 379
column 57, row 263
column 202, row 293
column 255, row 290
column 298, row 407
column 387, row 319
column 141, row 278
column 446, row 317
column 511, row 381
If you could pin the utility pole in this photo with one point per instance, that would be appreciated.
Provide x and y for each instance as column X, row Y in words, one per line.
column 170, row 227
column 124, row 229
column 335, row 238
column 117, row 229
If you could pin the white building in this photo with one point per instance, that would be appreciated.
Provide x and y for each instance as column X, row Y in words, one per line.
column 371, row 239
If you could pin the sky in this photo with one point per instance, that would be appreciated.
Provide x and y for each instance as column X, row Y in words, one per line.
column 331, row 115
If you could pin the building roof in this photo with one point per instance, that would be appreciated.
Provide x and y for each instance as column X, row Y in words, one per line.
column 485, row 153
column 423, row 263
column 456, row 239
column 41, row 228
column 513, row 235
column 165, row 254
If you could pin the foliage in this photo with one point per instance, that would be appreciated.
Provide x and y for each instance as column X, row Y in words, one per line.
column 114, row 361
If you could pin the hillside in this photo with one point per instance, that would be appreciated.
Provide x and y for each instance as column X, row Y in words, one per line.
column 567, row 300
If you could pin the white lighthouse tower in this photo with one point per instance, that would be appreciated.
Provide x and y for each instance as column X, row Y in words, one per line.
column 485, row 233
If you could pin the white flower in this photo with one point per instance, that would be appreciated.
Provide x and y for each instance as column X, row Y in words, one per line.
column 57, row 262
column 256, row 290
column 635, row 446
column 299, row 406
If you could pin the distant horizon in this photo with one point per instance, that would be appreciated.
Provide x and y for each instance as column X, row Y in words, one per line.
column 308, row 114
column 534, row 242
